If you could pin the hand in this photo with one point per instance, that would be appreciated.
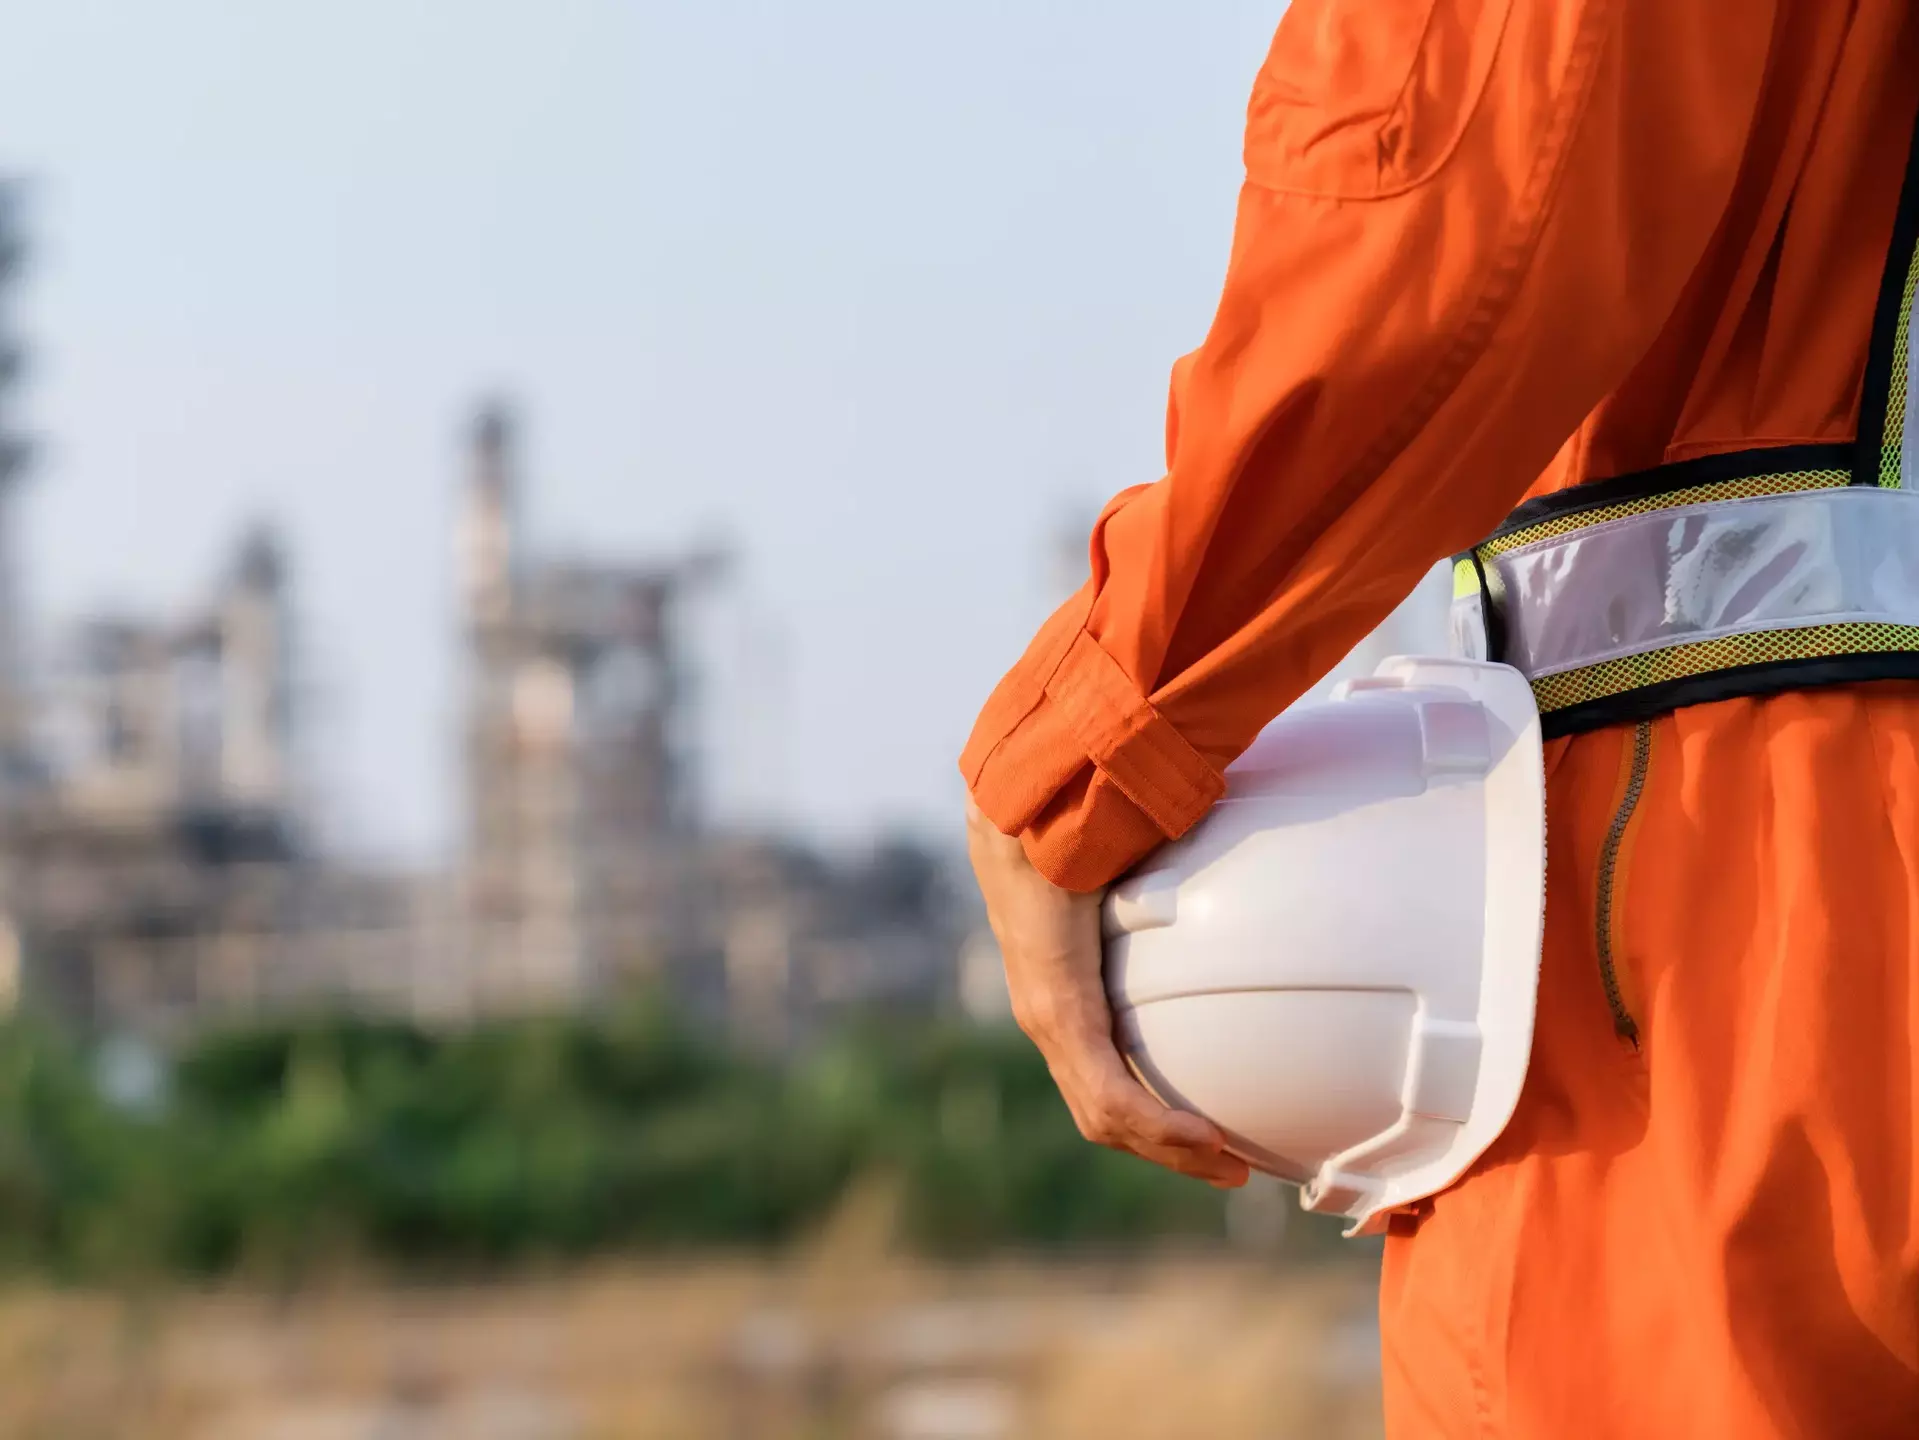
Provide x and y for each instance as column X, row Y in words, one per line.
column 1051, row 943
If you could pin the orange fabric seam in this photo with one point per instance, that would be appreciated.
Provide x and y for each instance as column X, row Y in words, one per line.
column 1496, row 294
column 1129, row 741
column 1041, row 688
column 1407, row 187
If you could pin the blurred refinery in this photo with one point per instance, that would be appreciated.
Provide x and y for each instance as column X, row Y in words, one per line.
column 158, row 866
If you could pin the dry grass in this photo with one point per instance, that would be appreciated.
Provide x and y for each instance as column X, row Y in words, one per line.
column 846, row 1339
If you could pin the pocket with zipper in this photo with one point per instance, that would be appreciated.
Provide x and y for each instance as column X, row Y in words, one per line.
column 1612, row 856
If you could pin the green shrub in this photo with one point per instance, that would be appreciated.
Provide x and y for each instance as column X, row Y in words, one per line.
column 281, row 1147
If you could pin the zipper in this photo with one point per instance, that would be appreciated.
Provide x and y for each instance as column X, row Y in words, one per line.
column 1623, row 1023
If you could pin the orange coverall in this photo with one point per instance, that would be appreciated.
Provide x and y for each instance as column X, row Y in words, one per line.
column 1489, row 249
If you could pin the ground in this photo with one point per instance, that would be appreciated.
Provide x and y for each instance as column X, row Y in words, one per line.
column 812, row 1347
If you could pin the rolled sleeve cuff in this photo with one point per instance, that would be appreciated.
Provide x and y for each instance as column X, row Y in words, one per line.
column 1073, row 758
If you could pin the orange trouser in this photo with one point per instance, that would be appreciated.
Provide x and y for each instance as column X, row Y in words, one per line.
column 1715, row 1233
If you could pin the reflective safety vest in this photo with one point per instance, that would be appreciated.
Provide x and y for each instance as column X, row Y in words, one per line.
column 1735, row 574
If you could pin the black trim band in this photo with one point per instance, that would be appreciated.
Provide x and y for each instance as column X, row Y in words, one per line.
column 1873, row 402
column 1742, row 681
column 1489, row 615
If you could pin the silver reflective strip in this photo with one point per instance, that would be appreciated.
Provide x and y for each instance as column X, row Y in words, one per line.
column 1703, row 572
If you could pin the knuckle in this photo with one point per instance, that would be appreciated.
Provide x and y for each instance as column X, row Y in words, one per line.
column 1104, row 1127
column 1154, row 1127
column 1118, row 1099
column 1035, row 1015
column 1036, row 1028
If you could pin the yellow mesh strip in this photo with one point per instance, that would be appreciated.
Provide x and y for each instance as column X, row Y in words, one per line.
column 1465, row 579
column 1742, row 489
column 1681, row 662
column 1895, row 435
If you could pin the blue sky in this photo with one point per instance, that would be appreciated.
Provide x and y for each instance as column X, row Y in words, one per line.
column 881, row 291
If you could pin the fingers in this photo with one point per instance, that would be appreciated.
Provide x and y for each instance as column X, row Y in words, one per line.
column 1113, row 1109
column 1072, row 1026
column 1050, row 939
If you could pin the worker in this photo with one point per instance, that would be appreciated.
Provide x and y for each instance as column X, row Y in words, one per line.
column 1491, row 252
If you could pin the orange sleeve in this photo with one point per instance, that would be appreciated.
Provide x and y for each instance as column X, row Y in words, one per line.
column 1463, row 222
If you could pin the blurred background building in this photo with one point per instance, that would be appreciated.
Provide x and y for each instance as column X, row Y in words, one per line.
column 14, row 454
column 590, row 865
column 160, row 869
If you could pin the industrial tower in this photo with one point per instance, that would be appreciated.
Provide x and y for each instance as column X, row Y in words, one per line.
column 579, row 820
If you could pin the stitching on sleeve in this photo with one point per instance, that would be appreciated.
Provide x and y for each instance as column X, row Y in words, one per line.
column 1130, row 742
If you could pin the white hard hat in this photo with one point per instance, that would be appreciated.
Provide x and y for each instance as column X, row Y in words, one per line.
column 1338, row 965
